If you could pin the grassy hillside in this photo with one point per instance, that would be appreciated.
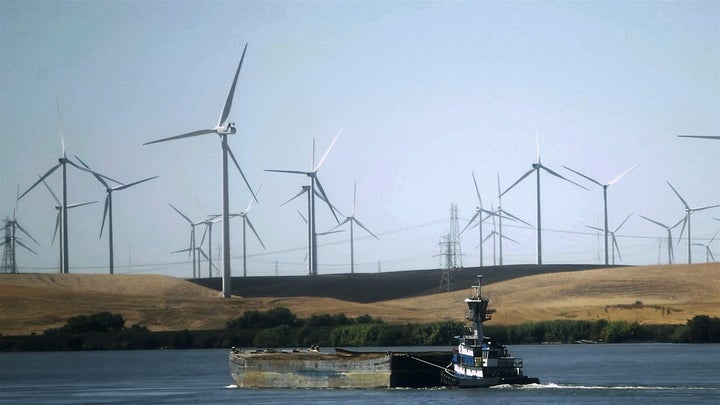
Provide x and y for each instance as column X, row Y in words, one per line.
column 650, row 294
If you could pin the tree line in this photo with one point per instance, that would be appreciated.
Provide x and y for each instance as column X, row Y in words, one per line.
column 279, row 327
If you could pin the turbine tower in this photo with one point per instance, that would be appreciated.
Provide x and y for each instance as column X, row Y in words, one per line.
column 536, row 167
column 352, row 220
column 605, row 206
column 686, row 221
column 315, row 187
column 671, row 254
column 222, row 129
column 107, row 212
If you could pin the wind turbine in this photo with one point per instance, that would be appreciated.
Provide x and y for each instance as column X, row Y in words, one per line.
column 479, row 210
column 497, row 236
column 107, row 212
column 58, row 208
column 315, row 186
column 614, row 240
column 688, row 212
column 352, row 220
column 208, row 232
column 501, row 212
column 605, row 207
column 191, row 249
column 222, row 129
column 536, row 168
column 708, row 253
column 63, row 161
column 671, row 254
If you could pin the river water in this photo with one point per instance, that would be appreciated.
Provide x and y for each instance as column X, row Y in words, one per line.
column 569, row 374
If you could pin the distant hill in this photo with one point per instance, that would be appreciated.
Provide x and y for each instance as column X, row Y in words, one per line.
column 375, row 287
column 32, row 303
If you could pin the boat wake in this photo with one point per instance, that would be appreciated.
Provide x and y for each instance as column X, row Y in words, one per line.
column 601, row 387
column 231, row 386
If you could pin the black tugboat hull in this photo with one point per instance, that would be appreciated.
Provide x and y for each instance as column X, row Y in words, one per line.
column 452, row 380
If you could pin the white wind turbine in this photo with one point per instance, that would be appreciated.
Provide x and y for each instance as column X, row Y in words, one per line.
column 63, row 161
column 191, row 249
column 352, row 220
column 479, row 211
column 208, row 232
column 605, row 205
column 497, row 236
column 616, row 248
column 315, row 187
column 502, row 213
column 107, row 212
column 222, row 129
column 58, row 208
column 708, row 252
column 671, row 254
column 536, row 168
column 686, row 221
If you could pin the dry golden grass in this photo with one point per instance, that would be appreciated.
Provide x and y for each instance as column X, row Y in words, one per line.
column 669, row 295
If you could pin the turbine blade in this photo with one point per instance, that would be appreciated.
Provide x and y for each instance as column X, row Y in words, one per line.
column 699, row 137
column 202, row 239
column 255, row 232
column 181, row 251
column 477, row 213
column 514, row 217
column 330, row 232
column 90, row 171
column 678, row 194
column 617, row 248
column 352, row 214
column 257, row 191
column 345, row 221
column 134, row 183
column 100, row 179
column 595, row 228
column 498, row 184
column 301, row 216
column 326, row 199
column 327, row 151
column 181, row 214
column 616, row 179
column 684, row 222
column 186, row 135
column 228, row 102
column 623, row 222
column 57, row 225
column 23, row 245
column 558, row 175
column 711, row 239
column 477, row 191
column 232, row 155
column 655, row 222
column 302, row 191
column 50, row 190
column 105, row 211
column 518, row 181
column 80, row 204
column 582, row 175
column 30, row 236
column 704, row 208
column 363, row 227
column 49, row 172
column 287, row 171
column 60, row 126
column 510, row 239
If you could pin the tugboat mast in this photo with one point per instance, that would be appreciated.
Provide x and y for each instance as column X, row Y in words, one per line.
column 477, row 311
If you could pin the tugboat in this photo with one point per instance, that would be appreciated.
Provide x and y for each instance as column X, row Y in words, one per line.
column 478, row 361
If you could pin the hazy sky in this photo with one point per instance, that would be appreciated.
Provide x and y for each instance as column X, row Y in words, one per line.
column 425, row 93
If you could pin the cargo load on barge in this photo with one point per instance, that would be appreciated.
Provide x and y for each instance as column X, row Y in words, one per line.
column 476, row 362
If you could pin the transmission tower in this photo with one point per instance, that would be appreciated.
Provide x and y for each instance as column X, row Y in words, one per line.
column 450, row 251
column 8, row 264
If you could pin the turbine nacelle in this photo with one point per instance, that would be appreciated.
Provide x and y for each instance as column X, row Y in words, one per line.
column 228, row 129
